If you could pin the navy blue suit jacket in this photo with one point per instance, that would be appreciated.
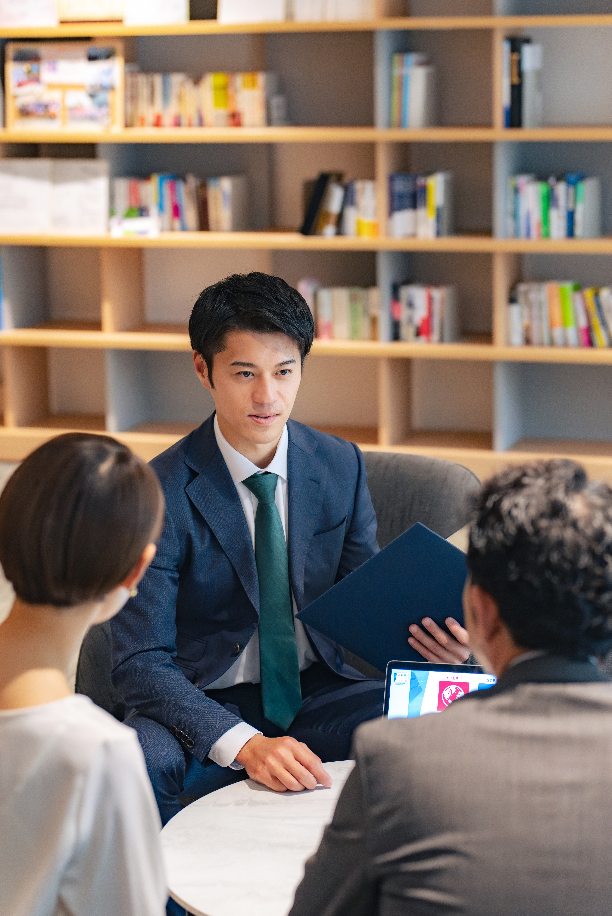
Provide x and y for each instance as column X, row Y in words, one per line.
column 198, row 604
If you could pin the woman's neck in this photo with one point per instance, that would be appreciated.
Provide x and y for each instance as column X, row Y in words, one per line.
column 38, row 644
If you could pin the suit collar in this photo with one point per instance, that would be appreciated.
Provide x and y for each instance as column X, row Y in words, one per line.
column 546, row 669
column 214, row 495
column 306, row 477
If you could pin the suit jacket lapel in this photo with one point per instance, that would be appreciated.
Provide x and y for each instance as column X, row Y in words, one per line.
column 214, row 495
column 305, row 492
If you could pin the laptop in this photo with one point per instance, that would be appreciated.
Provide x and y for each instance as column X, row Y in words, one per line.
column 417, row 688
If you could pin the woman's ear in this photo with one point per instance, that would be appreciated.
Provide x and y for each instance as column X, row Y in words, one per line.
column 114, row 601
column 141, row 567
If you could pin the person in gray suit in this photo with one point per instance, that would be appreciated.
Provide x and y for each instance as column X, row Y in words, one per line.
column 502, row 804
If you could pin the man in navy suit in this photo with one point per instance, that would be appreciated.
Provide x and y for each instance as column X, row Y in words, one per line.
column 193, row 657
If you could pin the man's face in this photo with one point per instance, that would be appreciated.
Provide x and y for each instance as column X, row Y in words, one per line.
column 256, row 379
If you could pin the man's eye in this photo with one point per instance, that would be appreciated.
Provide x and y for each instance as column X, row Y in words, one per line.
column 285, row 371
column 245, row 373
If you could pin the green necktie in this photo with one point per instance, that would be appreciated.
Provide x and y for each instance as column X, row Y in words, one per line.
column 279, row 666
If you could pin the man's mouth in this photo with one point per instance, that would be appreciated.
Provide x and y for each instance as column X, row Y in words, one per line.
column 263, row 419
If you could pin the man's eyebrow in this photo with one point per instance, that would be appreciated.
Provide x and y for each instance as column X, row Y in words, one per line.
column 287, row 362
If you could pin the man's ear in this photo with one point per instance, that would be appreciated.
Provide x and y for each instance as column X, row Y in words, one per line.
column 485, row 611
column 202, row 370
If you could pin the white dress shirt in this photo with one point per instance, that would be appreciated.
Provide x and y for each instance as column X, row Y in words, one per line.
column 246, row 667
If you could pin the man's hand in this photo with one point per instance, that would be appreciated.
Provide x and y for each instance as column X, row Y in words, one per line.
column 439, row 646
column 282, row 763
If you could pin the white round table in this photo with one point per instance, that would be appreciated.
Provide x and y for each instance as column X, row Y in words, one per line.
column 240, row 851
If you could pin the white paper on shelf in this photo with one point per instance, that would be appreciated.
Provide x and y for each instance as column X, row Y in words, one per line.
column 25, row 195
column 90, row 10
column 33, row 13
column 237, row 11
column 80, row 196
column 155, row 12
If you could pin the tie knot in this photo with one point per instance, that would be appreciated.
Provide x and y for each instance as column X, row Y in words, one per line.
column 262, row 486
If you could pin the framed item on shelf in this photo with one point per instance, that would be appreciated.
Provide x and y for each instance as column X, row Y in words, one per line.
column 64, row 85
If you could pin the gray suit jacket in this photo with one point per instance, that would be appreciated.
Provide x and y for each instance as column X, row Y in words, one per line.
column 499, row 806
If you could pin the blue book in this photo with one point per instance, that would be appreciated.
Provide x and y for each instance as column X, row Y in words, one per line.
column 572, row 179
column 417, row 575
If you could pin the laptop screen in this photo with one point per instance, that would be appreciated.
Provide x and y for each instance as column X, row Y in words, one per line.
column 416, row 688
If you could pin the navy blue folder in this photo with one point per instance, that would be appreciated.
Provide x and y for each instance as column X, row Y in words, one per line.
column 417, row 575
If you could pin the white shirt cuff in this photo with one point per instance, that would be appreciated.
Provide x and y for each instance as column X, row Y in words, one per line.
column 230, row 744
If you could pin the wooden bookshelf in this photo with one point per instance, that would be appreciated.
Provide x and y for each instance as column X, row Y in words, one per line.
column 95, row 327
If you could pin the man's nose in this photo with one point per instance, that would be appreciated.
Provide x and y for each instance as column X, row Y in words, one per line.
column 265, row 391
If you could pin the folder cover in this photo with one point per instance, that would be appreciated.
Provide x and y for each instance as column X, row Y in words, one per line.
column 417, row 575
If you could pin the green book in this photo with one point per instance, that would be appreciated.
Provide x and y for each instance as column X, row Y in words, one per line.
column 545, row 208
column 566, row 292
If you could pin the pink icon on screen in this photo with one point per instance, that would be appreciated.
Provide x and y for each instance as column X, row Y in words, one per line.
column 449, row 691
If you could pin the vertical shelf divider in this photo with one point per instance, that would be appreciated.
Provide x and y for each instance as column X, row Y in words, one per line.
column 506, row 272
column 394, row 401
column 26, row 386
column 122, row 274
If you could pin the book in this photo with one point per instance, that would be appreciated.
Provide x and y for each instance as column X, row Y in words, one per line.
column 234, row 12
column 417, row 575
column 33, row 14
column 587, row 215
column 531, row 85
column 516, row 79
column 155, row 12
column 566, row 291
column 402, row 205
column 324, row 314
column 367, row 208
column 316, row 199
column 328, row 216
column 89, row 10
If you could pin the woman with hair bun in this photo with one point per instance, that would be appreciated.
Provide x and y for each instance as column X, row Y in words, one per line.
column 78, row 822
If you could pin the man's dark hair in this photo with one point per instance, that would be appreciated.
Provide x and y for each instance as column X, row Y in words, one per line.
column 541, row 546
column 75, row 518
column 248, row 302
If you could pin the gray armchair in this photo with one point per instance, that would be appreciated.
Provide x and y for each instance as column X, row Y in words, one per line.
column 405, row 489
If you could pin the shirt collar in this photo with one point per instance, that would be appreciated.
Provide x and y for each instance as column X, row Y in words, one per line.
column 240, row 467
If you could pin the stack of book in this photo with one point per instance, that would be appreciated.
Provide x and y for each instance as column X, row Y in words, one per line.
column 167, row 203
column 420, row 205
column 425, row 314
column 522, row 83
column 412, row 91
column 560, row 314
column 343, row 312
column 559, row 208
column 216, row 100
column 333, row 208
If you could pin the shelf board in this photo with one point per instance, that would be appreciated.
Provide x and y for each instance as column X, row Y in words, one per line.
column 315, row 134
column 568, row 448
column 399, row 23
column 73, row 334
column 160, row 337
column 295, row 241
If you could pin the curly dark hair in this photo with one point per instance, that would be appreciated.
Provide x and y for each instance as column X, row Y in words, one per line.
column 541, row 546
column 248, row 302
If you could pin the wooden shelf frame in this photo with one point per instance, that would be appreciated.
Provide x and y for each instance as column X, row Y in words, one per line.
column 122, row 331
